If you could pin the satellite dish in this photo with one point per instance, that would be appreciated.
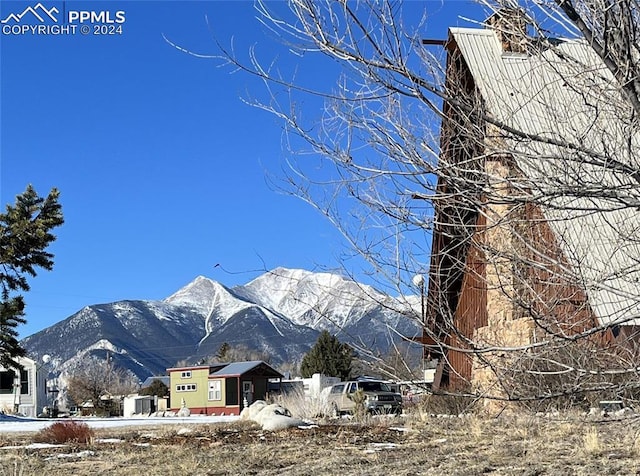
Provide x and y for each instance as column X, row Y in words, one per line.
column 46, row 358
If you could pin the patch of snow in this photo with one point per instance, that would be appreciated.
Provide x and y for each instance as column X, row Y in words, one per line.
column 108, row 440
column 32, row 446
column 79, row 454
column 375, row 447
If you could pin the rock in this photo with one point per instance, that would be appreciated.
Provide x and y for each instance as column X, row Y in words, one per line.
column 270, row 417
column 250, row 412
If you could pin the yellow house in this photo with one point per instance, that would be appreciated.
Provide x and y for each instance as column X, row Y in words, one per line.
column 220, row 389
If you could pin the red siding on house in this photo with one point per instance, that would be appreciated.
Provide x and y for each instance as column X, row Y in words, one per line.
column 470, row 314
column 557, row 299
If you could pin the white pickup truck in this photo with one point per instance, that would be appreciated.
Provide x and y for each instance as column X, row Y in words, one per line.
column 379, row 398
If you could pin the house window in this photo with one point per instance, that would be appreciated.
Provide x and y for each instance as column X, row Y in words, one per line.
column 215, row 390
column 186, row 374
column 24, row 382
column 186, row 387
column 7, row 378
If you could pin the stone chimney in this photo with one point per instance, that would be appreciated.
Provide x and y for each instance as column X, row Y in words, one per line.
column 510, row 24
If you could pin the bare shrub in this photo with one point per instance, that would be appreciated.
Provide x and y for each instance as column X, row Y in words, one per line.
column 569, row 375
column 65, row 432
column 444, row 404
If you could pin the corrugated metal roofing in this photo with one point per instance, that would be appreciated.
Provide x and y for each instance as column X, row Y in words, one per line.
column 566, row 94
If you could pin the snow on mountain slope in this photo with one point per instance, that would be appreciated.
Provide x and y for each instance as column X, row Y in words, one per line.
column 199, row 294
column 318, row 300
column 218, row 303
column 151, row 334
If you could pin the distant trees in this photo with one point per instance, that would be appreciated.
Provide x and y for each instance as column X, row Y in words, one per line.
column 157, row 388
column 25, row 234
column 328, row 356
column 237, row 353
column 228, row 353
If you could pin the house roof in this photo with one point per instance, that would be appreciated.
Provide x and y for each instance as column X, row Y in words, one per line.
column 565, row 94
column 240, row 368
column 24, row 361
column 232, row 369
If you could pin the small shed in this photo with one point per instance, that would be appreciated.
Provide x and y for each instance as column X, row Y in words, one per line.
column 138, row 405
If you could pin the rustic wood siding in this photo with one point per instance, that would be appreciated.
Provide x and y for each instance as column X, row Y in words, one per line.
column 471, row 313
column 557, row 300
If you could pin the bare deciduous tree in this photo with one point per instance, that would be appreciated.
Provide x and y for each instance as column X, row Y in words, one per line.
column 96, row 380
column 504, row 161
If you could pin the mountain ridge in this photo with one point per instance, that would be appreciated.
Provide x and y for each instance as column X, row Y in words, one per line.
column 279, row 314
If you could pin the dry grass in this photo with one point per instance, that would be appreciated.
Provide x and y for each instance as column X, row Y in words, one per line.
column 591, row 439
column 301, row 407
column 473, row 445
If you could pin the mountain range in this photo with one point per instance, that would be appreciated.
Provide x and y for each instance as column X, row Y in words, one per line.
column 279, row 314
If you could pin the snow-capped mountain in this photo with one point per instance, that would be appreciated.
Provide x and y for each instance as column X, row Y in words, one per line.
column 279, row 314
column 317, row 300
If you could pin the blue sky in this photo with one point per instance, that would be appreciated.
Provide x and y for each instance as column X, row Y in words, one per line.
column 161, row 167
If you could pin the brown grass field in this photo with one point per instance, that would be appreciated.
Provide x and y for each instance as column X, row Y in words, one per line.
column 409, row 445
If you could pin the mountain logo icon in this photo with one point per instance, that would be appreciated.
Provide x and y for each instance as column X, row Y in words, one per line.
column 38, row 11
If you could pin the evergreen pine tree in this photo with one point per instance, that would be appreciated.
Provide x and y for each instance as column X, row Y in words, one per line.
column 223, row 352
column 25, row 233
column 329, row 357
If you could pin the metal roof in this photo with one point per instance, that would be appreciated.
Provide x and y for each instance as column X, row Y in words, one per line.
column 565, row 94
column 240, row 368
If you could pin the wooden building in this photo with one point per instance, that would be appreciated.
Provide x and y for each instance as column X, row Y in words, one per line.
column 220, row 389
column 528, row 243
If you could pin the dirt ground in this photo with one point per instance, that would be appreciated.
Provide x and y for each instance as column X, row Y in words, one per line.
column 399, row 446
